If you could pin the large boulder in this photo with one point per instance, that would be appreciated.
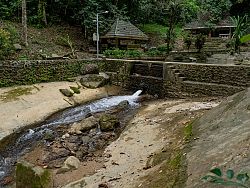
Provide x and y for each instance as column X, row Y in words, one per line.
column 108, row 122
column 89, row 69
column 31, row 176
column 84, row 125
column 94, row 80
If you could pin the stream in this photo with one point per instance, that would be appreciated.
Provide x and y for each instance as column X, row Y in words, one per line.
column 29, row 137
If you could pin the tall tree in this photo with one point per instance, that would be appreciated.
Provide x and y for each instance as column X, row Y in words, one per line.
column 174, row 17
column 24, row 23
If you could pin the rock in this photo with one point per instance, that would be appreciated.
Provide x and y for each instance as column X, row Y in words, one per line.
column 123, row 105
column 85, row 139
column 108, row 122
column 66, row 92
column 17, row 47
column 77, row 184
column 94, row 80
column 55, row 56
column 71, row 163
column 84, row 125
column 145, row 98
column 89, row 69
column 30, row 176
column 75, row 89
column 65, row 136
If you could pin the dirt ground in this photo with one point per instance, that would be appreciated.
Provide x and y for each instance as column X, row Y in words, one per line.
column 150, row 151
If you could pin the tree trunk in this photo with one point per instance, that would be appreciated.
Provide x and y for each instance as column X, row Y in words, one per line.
column 24, row 23
column 42, row 12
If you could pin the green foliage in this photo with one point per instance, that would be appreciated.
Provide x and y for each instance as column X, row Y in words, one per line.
column 241, row 179
column 212, row 11
column 188, row 132
column 242, row 25
column 5, row 43
column 154, row 52
column 245, row 39
column 119, row 54
column 68, row 42
column 154, row 29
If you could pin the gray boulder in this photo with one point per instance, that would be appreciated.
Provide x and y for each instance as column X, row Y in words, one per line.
column 108, row 122
column 94, row 80
column 84, row 125
column 89, row 69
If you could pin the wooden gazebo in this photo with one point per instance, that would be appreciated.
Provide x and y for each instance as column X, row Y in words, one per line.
column 223, row 29
column 123, row 35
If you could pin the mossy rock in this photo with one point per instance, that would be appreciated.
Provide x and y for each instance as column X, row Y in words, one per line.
column 30, row 176
column 108, row 122
column 66, row 92
column 75, row 89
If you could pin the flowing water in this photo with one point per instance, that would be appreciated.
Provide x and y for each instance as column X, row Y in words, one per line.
column 22, row 144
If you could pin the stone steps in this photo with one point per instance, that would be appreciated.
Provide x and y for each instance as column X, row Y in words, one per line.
column 211, row 89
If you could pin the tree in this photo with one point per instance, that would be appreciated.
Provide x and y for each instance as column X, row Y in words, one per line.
column 24, row 23
column 174, row 11
column 42, row 18
column 212, row 11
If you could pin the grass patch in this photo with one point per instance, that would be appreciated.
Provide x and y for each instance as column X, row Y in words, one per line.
column 188, row 131
column 159, row 29
column 172, row 172
column 154, row 28
column 14, row 94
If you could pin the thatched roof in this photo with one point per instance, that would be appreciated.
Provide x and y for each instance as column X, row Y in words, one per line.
column 125, row 29
column 226, row 23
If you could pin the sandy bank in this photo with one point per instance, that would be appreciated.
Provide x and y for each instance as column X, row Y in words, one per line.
column 25, row 105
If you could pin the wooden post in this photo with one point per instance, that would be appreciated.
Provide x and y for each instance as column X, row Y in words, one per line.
column 117, row 42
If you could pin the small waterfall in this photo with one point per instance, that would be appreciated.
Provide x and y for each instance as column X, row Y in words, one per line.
column 137, row 93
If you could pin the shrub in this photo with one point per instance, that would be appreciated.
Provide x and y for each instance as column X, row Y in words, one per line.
column 229, row 179
column 119, row 54
column 5, row 43
column 162, row 48
column 154, row 52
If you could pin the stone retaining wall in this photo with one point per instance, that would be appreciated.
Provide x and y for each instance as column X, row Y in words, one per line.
column 30, row 72
column 166, row 79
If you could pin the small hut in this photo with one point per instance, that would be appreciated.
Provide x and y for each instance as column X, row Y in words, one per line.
column 123, row 35
column 223, row 29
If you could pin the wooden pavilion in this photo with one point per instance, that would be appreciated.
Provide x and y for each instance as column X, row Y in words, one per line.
column 123, row 35
column 223, row 29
